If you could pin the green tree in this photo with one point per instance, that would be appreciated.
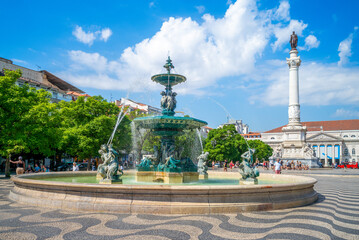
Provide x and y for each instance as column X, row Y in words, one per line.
column 263, row 150
column 224, row 144
column 88, row 123
column 16, row 103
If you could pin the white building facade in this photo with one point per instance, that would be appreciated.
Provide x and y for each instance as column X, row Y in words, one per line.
column 332, row 141
column 239, row 125
column 138, row 106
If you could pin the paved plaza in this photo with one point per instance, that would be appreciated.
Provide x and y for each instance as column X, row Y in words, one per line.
column 334, row 216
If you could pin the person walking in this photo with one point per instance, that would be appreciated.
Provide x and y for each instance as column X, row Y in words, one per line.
column 75, row 167
column 225, row 166
column 231, row 165
column 277, row 167
column 20, row 166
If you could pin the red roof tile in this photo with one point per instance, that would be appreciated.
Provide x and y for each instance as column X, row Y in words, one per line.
column 336, row 125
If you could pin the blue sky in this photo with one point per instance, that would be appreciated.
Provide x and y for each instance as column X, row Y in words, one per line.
column 232, row 53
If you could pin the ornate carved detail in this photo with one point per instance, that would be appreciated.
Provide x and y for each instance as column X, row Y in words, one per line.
column 294, row 113
column 293, row 62
column 308, row 151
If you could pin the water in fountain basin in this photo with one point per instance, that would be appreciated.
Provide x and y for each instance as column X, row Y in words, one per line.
column 130, row 180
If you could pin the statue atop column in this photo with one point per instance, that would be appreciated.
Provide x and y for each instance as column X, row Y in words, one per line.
column 293, row 41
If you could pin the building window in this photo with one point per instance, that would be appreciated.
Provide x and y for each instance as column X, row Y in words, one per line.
column 272, row 138
column 352, row 136
column 353, row 151
column 346, row 152
column 345, row 136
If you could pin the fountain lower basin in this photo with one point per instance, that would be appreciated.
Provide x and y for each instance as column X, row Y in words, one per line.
column 290, row 191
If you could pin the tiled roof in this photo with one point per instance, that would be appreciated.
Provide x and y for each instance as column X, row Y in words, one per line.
column 78, row 94
column 251, row 134
column 63, row 85
column 336, row 125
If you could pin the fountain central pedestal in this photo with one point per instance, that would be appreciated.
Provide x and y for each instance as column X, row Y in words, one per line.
column 165, row 167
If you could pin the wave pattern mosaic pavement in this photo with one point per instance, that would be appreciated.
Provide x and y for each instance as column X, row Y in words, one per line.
column 334, row 216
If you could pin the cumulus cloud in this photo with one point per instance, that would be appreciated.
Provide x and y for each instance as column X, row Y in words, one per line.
column 105, row 34
column 345, row 49
column 82, row 36
column 282, row 12
column 216, row 48
column 204, row 52
column 320, row 84
column 89, row 37
column 311, row 41
column 282, row 32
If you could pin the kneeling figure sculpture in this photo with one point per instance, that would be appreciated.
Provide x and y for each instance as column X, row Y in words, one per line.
column 109, row 168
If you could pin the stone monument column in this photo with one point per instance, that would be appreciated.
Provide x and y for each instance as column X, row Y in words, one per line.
column 294, row 107
column 294, row 145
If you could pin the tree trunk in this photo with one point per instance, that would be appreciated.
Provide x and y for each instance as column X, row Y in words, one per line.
column 89, row 162
column 7, row 167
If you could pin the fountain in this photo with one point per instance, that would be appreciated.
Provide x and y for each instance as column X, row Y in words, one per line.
column 163, row 183
column 165, row 167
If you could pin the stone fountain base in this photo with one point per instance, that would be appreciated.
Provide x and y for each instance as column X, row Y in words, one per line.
column 166, row 177
column 294, row 191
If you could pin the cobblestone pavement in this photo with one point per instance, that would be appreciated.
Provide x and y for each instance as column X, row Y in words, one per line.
column 334, row 216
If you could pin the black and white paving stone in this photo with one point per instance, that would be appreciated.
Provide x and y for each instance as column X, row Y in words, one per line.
column 334, row 216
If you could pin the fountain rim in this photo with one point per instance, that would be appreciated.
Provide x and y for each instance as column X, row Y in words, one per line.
column 33, row 179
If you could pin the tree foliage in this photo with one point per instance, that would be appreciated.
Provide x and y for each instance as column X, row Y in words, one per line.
column 87, row 123
column 22, row 113
column 30, row 123
column 226, row 144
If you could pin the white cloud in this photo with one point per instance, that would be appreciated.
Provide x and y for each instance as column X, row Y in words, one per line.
column 311, row 41
column 341, row 112
column 282, row 12
column 105, row 34
column 282, row 33
column 83, row 37
column 204, row 52
column 218, row 48
column 345, row 50
column 200, row 9
column 151, row 4
column 89, row 60
column 320, row 84
column 89, row 37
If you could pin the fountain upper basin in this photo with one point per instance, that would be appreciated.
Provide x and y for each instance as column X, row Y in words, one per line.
column 168, row 125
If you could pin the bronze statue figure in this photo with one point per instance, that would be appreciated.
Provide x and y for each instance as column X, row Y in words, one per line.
column 293, row 41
